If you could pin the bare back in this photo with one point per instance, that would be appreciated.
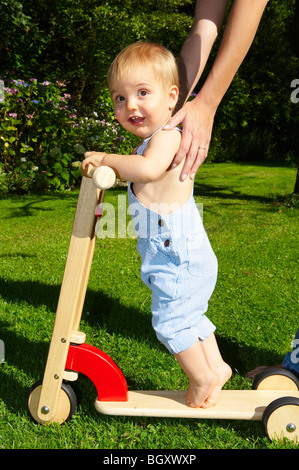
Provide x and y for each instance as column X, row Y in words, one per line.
column 167, row 193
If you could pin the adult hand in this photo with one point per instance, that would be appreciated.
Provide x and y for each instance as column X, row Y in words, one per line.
column 197, row 120
column 252, row 373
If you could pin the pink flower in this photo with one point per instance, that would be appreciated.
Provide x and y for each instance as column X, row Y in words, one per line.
column 11, row 91
column 30, row 116
column 13, row 115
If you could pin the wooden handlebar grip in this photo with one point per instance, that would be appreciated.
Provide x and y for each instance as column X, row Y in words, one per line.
column 103, row 177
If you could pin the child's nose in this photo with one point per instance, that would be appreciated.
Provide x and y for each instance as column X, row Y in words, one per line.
column 132, row 104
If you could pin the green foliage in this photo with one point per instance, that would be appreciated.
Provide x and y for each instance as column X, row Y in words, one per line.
column 42, row 137
column 76, row 41
column 73, row 42
column 257, row 119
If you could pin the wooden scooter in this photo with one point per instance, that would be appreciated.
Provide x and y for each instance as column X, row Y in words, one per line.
column 274, row 399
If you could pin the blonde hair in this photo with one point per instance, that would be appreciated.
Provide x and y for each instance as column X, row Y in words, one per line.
column 151, row 56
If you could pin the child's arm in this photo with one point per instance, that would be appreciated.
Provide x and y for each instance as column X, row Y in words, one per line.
column 140, row 168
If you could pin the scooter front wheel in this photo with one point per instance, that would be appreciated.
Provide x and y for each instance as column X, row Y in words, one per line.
column 66, row 406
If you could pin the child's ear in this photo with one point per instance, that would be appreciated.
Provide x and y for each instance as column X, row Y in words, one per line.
column 173, row 96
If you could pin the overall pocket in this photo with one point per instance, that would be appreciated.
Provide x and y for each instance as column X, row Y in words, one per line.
column 202, row 260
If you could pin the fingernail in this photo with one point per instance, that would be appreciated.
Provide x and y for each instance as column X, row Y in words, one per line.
column 192, row 176
column 184, row 177
column 173, row 165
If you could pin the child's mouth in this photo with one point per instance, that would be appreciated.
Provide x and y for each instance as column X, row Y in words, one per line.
column 136, row 120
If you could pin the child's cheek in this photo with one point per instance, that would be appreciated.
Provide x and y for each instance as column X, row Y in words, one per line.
column 119, row 115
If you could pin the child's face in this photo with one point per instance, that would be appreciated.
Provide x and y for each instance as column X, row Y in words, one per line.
column 141, row 103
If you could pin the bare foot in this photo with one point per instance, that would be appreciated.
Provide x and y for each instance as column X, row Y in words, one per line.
column 198, row 392
column 206, row 370
column 224, row 374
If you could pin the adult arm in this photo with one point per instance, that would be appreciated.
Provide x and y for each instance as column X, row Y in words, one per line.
column 197, row 116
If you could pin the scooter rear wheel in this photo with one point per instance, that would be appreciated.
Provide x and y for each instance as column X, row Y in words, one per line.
column 281, row 419
column 276, row 378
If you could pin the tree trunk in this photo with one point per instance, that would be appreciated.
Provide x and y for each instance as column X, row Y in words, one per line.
column 294, row 30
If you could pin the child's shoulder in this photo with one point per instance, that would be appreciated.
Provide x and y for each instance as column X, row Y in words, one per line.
column 167, row 137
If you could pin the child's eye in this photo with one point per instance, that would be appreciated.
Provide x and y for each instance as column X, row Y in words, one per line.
column 142, row 92
column 118, row 99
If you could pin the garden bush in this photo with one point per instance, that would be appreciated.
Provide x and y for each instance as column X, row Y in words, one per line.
column 73, row 42
column 43, row 139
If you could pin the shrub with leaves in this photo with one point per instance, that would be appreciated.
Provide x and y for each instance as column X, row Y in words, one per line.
column 42, row 139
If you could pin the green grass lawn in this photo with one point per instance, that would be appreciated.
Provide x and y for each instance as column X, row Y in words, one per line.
column 252, row 225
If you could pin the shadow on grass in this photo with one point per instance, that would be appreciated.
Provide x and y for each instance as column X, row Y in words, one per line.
column 30, row 356
column 32, row 204
column 229, row 194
